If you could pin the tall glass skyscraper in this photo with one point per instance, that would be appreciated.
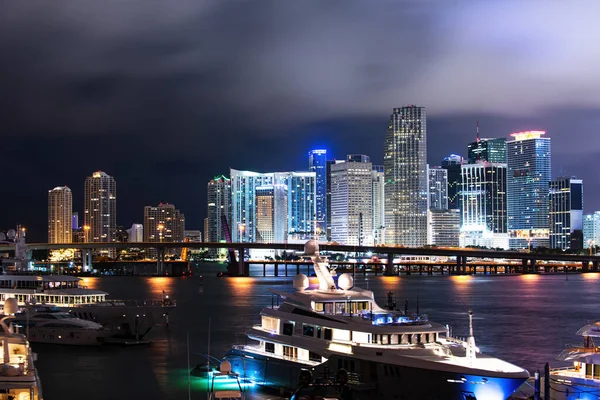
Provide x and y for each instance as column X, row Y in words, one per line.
column 405, row 165
column 219, row 205
column 60, row 213
column 566, row 213
column 489, row 150
column 100, row 202
column 378, row 203
column 301, row 202
column 529, row 174
column 317, row 163
column 438, row 188
column 452, row 164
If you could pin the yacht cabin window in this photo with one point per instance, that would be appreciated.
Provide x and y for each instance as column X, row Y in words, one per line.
column 269, row 347
column 318, row 332
column 327, row 334
column 308, row 330
column 288, row 328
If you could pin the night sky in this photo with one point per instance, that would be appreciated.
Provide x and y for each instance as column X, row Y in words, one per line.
column 164, row 95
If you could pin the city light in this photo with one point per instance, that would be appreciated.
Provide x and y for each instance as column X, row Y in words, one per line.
column 526, row 135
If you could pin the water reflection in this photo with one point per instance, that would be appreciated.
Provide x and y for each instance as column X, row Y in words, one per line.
column 160, row 284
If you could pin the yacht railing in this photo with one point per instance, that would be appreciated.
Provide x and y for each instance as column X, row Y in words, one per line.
column 260, row 351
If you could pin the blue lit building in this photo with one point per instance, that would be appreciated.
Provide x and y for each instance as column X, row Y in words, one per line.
column 317, row 163
column 529, row 174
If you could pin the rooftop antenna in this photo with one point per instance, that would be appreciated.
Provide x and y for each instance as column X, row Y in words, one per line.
column 477, row 132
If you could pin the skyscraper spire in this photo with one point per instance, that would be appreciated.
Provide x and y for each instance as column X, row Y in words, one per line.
column 477, row 132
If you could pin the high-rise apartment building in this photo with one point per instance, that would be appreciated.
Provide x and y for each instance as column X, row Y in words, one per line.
column 438, row 188
column 351, row 201
column 136, row 233
column 444, row 227
column 328, row 198
column 566, row 213
column 317, row 163
column 484, row 205
column 488, row 150
column 60, row 212
column 219, row 206
column 405, row 164
column 452, row 164
column 591, row 230
column 100, row 214
column 271, row 214
column 163, row 223
column 75, row 220
column 529, row 174
column 378, row 204
column 301, row 211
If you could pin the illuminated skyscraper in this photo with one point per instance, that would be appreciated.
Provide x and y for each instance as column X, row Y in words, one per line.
column 566, row 213
column 489, row 150
column 271, row 214
column 60, row 206
column 136, row 233
column 351, row 201
column 219, row 205
column 163, row 223
column 378, row 204
column 100, row 214
column 405, row 164
column 529, row 169
column 317, row 163
column 452, row 164
column 438, row 188
column 591, row 230
column 444, row 227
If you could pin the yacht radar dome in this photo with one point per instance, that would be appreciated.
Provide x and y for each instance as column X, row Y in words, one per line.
column 311, row 248
column 345, row 281
column 11, row 234
column 300, row 282
column 11, row 306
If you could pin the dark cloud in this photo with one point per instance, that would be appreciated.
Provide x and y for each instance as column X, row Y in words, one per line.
column 164, row 95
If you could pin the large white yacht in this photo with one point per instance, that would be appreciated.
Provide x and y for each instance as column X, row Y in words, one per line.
column 398, row 356
column 582, row 379
column 19, row 379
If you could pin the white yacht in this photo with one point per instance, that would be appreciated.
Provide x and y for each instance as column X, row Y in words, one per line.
column 19, row 379
column 60, row 328
column 398, row 356
column 582, row 380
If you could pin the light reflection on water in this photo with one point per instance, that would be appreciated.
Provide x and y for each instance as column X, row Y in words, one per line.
column 524, row 319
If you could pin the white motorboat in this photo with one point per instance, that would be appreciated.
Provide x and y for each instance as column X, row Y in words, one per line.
column 338, row 327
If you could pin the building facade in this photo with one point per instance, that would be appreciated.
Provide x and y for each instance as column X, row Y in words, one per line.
column 219, row 206
column 529, row 173
column 351, row 201
column 438, row 188
column 452, row 165
column 136, row 233
column 488, row 150
column 591, row 230
column 378, row 200
column 317, row 163
column 163, row 223
column 271, row 214
column 484, row 205
column 405, row 165
column 566, row 213
column 301, row 208
column 444, row 228
column 100, row 203
column 60, row 213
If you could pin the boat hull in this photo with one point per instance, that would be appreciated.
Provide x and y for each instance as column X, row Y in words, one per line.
column 387, row 381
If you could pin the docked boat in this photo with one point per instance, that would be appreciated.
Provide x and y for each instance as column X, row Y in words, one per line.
column 59, row 327
column 582, row 379
column 128, row 319
column 19, row 379
column 338, row 326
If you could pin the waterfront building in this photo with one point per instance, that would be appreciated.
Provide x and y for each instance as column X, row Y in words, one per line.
column 405, row 164
column 438, row 188
column 243, row 213
column 78, row 235
column 591, row 230
column 378, row 204
column 206, row 228
column 75, row 220
column 60, row 213
column 328, row 198
column 484, row 205
column 301, row 200
column 444, row 227
column 488, row 150
column 219, row 206
column 193, row 236
column 566, row 213
column 317, row 163
column 452, row 164
column 163, row 223
column 351, row 201
column 271, row 214
column 529, row 174
column 121, row 235
column 100, row 213
column 136, row 233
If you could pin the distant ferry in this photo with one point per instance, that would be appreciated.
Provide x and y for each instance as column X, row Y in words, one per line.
column 395, row 355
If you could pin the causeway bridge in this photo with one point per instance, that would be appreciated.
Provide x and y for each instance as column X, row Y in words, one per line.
column 464, row 260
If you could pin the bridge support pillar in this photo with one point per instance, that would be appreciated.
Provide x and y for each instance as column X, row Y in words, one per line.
column 585, row 266
column 464, row 265
column 160, row 261
column 276, row 269
column 242, row 263
column 595, row 266
column 389, row 269
column 533, row 266
column 86, row 260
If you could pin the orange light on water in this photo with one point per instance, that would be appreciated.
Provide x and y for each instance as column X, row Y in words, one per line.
column 591, row 276
column 242, row 286
column 530, row 277
column 160, row 283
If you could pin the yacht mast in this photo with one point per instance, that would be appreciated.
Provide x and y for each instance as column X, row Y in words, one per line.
column 471, row 348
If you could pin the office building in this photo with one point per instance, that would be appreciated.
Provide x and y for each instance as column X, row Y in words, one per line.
column 163, row 223
column 484, row 205
column 192, row 236
column 317, row 163
column 438, row 188
column 591, row 230
column 566, row 213
column 301, row 200
column 75, row 220
column 60, row 212
column 351, row 201
column 452, row 164
column 528, row 178
column 328, row 198
column 488, row 150
column 100, row 202
column 405, row 164
column 444, row 228
column 136, row 233
column 378, row 204
column 271, row 214
column 219, row 207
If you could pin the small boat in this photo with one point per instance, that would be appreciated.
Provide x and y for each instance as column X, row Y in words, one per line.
column 225, row 384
